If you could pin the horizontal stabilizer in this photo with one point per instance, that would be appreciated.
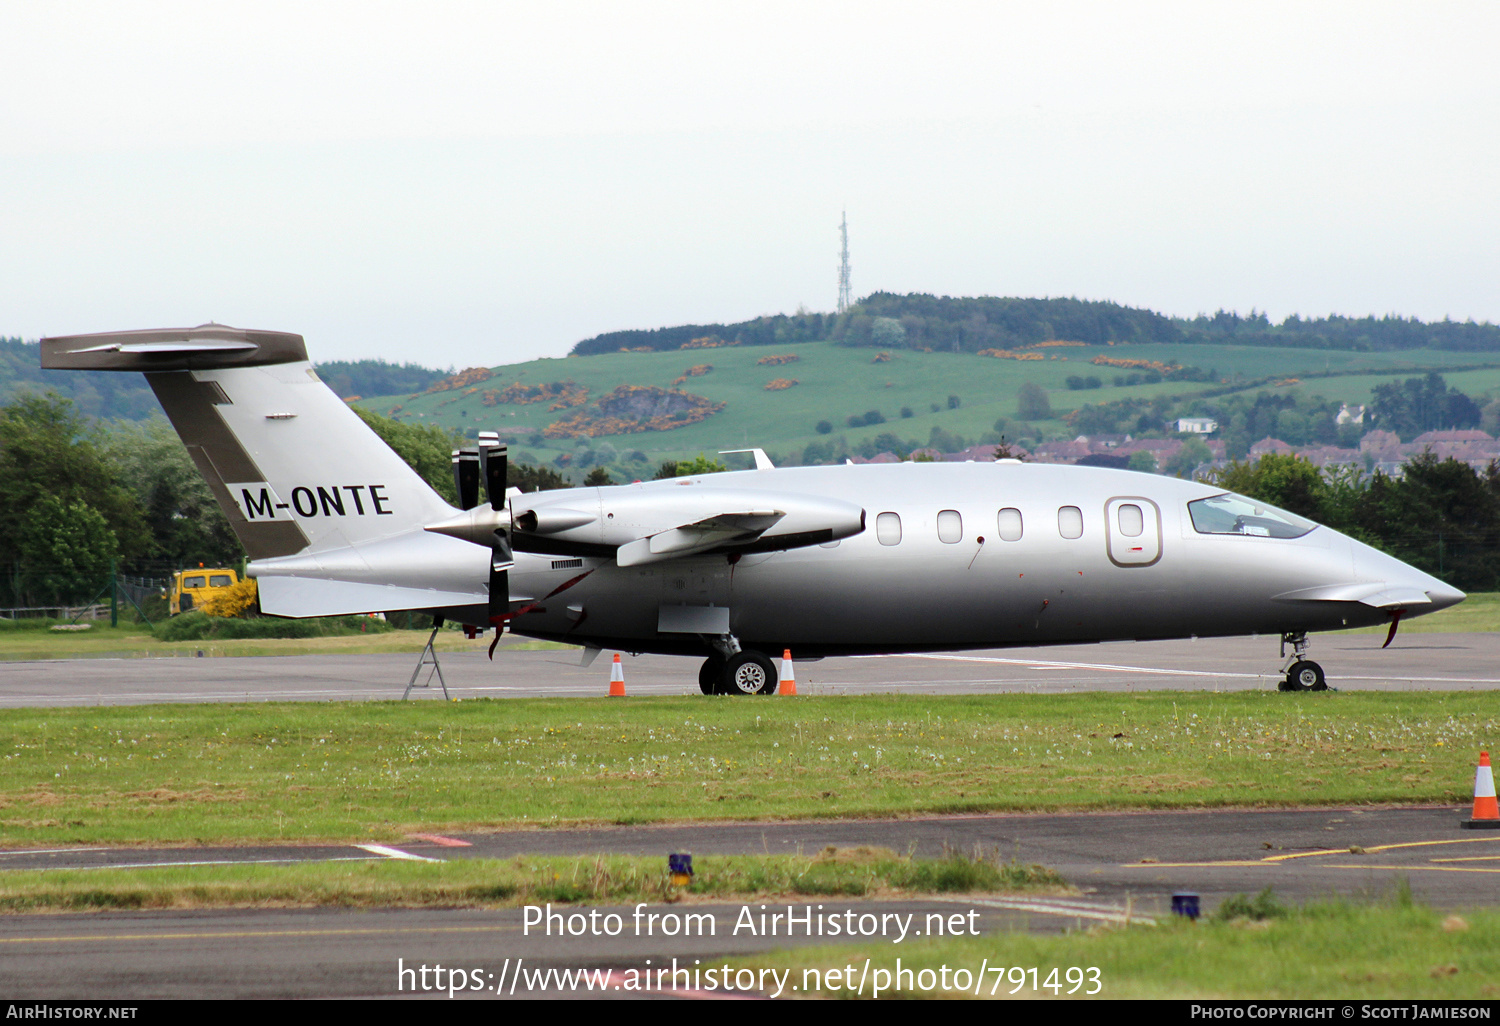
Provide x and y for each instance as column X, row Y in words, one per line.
column 205, row 347
column 309, row 596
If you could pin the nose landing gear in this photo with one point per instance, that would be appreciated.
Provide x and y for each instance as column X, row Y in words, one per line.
column 1299, row 672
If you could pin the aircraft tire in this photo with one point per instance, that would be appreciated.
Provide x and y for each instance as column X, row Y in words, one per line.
column 749, row 673
column 711, row 674
column 1307, row 676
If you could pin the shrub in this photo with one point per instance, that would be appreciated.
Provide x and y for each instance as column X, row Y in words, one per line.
column 199, row 626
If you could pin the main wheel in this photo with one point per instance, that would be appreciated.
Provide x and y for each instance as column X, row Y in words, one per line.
column 1306, row 675
column 748, row 673
column 710, row 674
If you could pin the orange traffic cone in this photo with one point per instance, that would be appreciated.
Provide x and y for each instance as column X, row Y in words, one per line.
column 1486, row 812
column 616, row 678
column 788, row 681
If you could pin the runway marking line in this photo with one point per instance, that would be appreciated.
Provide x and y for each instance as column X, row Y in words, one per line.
column 394, row 853
column 1057, row 907
column 1040, row 664
column 1274, row 860
column 1061, row 664
column 48, row 851
column 1382, row 847
column 1420, row 869
column 203, row 862
column 1471, row 858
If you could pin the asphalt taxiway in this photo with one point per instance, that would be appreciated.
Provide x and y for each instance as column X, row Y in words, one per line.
column 1427, row 662
column 1125, row 867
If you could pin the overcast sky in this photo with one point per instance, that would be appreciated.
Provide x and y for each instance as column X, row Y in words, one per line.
column 481, row 183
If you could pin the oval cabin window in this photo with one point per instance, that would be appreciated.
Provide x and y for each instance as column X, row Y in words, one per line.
column 888, row 528
column 1132, row 523
column 950, row 527
column 1070, row 522
column 1010, row 526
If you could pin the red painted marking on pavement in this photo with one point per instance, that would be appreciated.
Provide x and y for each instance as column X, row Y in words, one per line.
column 446, row 842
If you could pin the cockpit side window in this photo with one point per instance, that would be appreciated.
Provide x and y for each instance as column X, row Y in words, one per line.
column 1235, row 514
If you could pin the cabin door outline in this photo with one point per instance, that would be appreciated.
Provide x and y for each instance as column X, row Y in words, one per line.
column 1129, row 551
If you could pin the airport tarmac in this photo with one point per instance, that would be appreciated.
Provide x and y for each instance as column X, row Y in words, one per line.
column 1427, row 662
column 1124, row 866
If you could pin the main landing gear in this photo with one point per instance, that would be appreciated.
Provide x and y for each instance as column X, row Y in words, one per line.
column 732, row 670
column 1300, row 673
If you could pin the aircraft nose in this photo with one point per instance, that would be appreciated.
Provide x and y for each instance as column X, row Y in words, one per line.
column 1373, row 565
column 1443, row 595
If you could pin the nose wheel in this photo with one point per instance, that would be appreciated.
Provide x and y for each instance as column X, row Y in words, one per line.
column 1299, row 672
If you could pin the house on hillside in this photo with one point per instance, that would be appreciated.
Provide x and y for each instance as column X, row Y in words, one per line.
column 1197, row 425
column 1269, row 445
column 1434, row 437
column 1380, row 442
column 1062, row 452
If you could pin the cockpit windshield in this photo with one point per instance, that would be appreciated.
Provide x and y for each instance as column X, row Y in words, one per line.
column 1235, row 514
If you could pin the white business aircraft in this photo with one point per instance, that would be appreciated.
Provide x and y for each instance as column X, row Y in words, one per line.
column 824, row 560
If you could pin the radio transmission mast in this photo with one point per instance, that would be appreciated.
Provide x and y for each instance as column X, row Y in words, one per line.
column 844, row 264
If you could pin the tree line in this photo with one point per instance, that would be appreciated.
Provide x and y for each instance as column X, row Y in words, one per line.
column 971, row 323
column 1441, row 516
column 77, row 496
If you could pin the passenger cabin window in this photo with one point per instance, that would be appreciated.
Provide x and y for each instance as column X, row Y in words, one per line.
column 888, row 528
column 1010, row 526
column 219, row 581
column 1131, row 521
column 1235, row 514
column 1070, row 522
column 950, row 527
column 192, row 582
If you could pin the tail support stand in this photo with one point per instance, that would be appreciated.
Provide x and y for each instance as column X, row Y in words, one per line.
column 429, row 658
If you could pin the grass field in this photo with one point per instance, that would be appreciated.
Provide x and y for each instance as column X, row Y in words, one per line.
column 508, row 883
column 1327, row 951
column 373, row 771
column 835, row 382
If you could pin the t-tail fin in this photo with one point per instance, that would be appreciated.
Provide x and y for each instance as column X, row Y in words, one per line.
column 310, row 491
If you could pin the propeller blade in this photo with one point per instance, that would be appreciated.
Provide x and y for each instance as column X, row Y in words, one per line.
column 494, row 471
column 466, row 477
column 499, row 603
column 494, row 462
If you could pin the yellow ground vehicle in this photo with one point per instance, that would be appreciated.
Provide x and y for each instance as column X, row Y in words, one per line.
column 192, row 588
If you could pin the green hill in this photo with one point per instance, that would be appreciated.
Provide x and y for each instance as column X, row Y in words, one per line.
column 914, row 391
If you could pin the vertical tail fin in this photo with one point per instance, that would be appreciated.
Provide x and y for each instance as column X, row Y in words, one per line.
column 311, row 492
column 294, row 469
